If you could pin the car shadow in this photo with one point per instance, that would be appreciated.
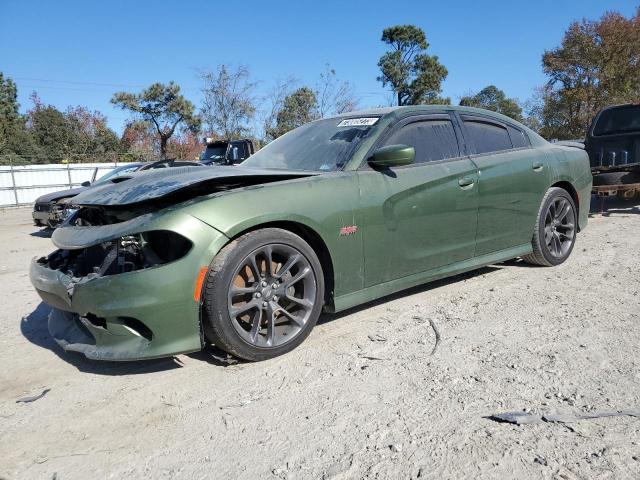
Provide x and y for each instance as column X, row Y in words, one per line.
column 215, row 356
column 606, row 206
column 330, row 317
column 45, row 232
column 34, row 328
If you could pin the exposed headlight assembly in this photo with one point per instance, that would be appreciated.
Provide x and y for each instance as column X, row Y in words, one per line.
column 125, row 254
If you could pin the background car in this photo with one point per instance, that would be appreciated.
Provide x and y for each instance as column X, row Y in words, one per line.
column 333, row 214
column 49, row 209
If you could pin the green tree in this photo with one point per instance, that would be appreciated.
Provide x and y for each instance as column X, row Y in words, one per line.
column 494, row 99
column 414, row 76
column 90, row 133
column 14, row 137
column 164, row 107
column 298, row 108
column 9, row 106
column 76, row 134
column 52, row 132
column 596, row 64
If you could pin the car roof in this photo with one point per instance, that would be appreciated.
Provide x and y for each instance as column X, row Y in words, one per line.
column 399, row 111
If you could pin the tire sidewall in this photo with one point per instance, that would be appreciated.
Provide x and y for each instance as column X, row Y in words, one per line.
column 217, row 306
column 544, row 249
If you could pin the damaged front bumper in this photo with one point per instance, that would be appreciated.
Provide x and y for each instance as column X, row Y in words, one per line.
column 50, row 214
column 145, row 313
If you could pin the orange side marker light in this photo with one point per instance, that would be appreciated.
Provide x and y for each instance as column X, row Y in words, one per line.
column 197, row 291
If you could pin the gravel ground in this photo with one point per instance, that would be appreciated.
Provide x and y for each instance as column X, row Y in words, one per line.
column 363, row 397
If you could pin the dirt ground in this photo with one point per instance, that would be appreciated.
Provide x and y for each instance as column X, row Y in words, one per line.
column 363, row 397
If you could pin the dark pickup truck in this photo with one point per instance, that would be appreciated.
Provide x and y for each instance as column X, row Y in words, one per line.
column 613, row 145
column 226, row 152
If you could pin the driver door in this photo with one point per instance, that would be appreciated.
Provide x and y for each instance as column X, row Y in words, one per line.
column 421, row 216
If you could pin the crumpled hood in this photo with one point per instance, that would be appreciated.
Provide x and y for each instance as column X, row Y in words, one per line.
column 53, row 196
column 154, row 184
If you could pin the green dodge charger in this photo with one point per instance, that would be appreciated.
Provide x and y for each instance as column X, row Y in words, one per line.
column 333, row 214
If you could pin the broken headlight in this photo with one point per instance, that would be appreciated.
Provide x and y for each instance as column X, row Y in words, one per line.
column 125, row 254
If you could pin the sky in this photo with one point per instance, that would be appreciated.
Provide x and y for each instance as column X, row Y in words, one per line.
column 81, row 52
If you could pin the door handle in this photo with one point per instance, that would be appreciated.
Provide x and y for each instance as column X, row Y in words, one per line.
column 538, row 166
column 466, row 182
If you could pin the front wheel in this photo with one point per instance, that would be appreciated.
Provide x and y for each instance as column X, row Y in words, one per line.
column 555, row 230
column 263, row 295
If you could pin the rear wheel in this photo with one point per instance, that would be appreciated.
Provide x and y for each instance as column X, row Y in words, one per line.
column 628, row 195
column 555, row 229
column 263, row 295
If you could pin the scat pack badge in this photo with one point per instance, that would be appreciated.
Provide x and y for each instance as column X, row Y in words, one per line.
column 350, row 230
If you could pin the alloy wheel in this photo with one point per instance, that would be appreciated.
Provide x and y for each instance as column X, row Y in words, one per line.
column 559, row 227
column 271, row 295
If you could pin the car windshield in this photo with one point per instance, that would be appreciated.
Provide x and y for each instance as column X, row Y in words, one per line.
column 618, row 120
column 214, row 153
column 324, row 145
column 117, row 172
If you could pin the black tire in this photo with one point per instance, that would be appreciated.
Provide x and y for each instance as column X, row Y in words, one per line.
column 553, row 241
column 246, row 335
column 628, row 196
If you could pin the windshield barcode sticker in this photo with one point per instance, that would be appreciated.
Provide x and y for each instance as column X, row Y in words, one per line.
column 358, row 122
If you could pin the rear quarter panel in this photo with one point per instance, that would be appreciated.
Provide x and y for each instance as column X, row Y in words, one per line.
column 571, row 165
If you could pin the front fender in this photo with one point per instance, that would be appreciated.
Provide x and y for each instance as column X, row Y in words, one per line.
column 324, row 204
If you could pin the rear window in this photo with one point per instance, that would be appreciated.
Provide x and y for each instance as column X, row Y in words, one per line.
column 242, row 149
column 618, row 120
column 518, row 138
column 487, row 137
column 214, row 152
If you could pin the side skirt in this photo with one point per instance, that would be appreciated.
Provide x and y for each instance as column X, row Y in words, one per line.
column 377, row 291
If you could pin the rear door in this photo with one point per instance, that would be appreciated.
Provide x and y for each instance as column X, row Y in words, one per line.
column 421, row 216
column 511, row 182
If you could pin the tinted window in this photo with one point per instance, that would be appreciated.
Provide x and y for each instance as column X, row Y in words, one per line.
column 518, row 138
column 242, row 150
column 487, row 137
column 117, row 172
column 432, row 139
column 618, row 120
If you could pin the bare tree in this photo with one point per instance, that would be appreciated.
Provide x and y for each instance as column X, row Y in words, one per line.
column 334, row 96
column 229, row 103
column 274, row 100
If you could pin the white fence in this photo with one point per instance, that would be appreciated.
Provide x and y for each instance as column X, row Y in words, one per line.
column 22, row 184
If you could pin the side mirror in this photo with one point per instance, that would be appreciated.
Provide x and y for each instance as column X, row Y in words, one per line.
column 85, row 184
column 393, row 156
column 234, row 154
